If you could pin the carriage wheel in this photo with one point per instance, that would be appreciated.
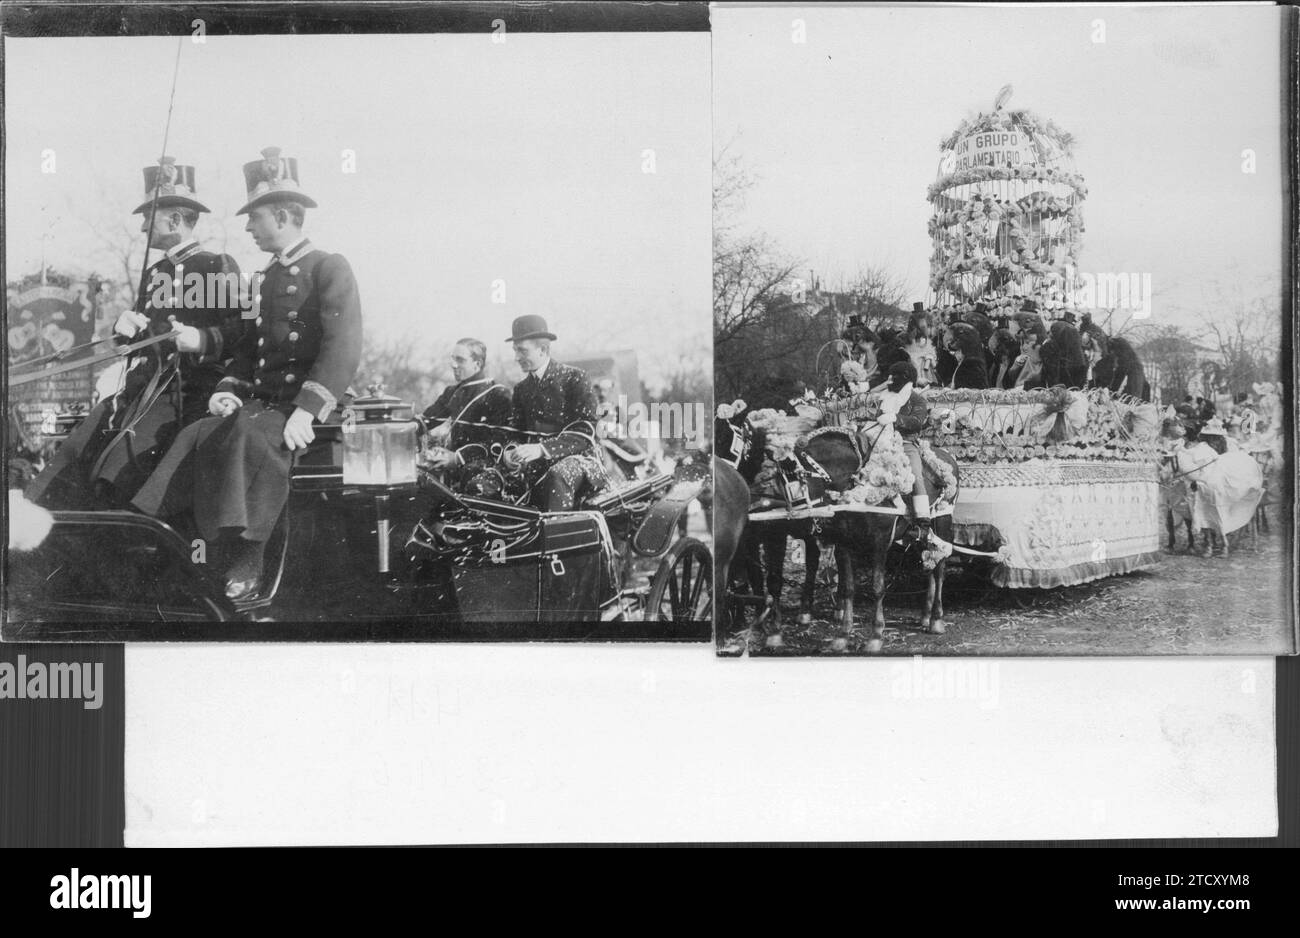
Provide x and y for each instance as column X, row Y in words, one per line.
column 682, row 590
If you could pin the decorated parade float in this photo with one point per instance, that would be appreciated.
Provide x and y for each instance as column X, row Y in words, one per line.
column 1058, row 485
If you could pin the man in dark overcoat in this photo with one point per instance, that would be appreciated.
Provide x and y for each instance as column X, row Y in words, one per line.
column 553, row 412
column 193, row 292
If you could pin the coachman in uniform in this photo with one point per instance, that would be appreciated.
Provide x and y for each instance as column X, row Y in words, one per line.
column 194, row 292
column 232, row 470
column 547, row 405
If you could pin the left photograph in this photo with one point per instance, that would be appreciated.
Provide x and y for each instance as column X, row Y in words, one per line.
column 415, row 349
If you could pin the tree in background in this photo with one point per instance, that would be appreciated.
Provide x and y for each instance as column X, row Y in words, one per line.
column 752, row 287
column 1171, row 356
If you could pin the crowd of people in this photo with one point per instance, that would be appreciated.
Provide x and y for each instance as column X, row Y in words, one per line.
column 970, row 348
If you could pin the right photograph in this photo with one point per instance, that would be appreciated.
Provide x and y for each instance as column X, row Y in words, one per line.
column 1002, row 331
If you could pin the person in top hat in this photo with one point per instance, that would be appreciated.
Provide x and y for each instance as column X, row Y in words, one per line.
column 919, row 344
column 232, row 469
column 473, row 410
column 553, row 412
column 193, row 292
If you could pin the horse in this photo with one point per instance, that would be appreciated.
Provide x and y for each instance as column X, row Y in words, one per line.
column 863, row 539
column 763, row 546
column 730, row 497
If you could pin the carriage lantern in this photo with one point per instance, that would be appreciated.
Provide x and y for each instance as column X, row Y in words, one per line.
column 379, row 448
column 379, row 441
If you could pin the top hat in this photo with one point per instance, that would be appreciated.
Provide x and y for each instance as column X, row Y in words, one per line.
column 982, row 308
column 1068, row 316
column 168, row 185
column 918, row 308
column 1029, row 306
column 273, row 178
column 529, row 327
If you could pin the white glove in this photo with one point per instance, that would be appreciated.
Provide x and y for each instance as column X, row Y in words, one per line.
column 223, row 404
column 189, row 339
column 129, row 323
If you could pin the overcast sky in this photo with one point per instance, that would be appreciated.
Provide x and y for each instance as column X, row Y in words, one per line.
column 843, row 130
column 476, row 161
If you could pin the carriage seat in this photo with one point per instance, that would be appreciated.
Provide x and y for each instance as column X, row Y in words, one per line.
column 320, row 466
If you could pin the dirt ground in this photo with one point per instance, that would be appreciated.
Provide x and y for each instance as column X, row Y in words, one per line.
column 1185, row 605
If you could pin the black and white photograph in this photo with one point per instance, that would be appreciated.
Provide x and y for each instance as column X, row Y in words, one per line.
column 388, row 337
column 1002, row 331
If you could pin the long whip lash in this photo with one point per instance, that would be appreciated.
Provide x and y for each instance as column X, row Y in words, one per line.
column 153, row 208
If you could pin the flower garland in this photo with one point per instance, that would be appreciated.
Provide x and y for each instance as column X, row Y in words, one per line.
column 1029, row 172
column 931, row 461
column 888, row 472
column 994, row 209
column 936, row 550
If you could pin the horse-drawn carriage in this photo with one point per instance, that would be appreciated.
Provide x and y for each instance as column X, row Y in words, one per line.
column 1048, row 488
column 370, row 534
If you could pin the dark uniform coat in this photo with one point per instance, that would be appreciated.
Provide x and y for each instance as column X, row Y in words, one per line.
column 98, row 464
column 546, row 406
column 303, row 350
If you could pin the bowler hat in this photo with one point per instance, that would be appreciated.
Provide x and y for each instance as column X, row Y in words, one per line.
column 168, row 185
column 273, row 178
column 529, row 327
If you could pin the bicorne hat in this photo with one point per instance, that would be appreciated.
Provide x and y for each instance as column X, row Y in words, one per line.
column 171, row 185
column 529, row 327
column 273, row 178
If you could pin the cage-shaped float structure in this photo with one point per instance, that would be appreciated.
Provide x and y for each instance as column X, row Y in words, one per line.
column 1007, row 216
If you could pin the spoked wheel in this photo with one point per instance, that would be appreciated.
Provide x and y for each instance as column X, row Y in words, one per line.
column 682, row 590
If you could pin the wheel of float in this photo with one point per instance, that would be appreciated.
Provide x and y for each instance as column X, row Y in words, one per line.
column 682, row 589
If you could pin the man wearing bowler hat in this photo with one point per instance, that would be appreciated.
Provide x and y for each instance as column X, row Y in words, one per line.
column 553, row 410
column 193, row 292
column 289, row 371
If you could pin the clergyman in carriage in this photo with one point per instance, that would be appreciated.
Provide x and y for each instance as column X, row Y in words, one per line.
column 166, row 387
column 554, row 411
column 470, row 415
